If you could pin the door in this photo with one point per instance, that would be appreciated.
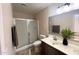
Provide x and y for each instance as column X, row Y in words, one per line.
column 21, row 27
column 32, row 31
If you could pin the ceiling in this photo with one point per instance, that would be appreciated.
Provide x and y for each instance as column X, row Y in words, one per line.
column 31, row 8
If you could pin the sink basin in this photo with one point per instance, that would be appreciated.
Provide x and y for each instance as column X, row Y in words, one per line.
column 52, row 41
column 56, row 43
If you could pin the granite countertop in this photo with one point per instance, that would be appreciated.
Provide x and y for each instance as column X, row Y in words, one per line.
column 70, row 49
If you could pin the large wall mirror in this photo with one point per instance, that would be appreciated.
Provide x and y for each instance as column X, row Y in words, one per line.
column 66, row 20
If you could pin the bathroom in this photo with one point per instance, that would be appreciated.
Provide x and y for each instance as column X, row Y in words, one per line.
column 33, row 26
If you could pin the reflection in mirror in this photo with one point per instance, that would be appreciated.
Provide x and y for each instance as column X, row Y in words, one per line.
column 66, row 20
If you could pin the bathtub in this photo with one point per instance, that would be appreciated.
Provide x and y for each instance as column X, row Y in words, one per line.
column 28, row 49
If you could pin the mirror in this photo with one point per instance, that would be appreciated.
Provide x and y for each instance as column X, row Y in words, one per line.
column 66, row 20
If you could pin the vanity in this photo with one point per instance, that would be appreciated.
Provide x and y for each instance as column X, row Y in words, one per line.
column 55, row 47
column 48, row 50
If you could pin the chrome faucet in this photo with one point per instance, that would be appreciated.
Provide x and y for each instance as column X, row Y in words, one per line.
column 55, row 38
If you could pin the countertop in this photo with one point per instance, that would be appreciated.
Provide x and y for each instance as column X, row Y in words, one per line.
column 70, row 49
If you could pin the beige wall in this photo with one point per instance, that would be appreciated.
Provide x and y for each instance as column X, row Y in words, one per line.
column 22, row 15
column 42, row 18
column 76, row 23
column 5, row 29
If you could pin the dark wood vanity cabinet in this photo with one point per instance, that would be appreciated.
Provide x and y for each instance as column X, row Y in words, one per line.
column 48, row 50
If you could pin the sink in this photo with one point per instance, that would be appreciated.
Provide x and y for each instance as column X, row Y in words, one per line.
column 56, row 43
column 52, row 41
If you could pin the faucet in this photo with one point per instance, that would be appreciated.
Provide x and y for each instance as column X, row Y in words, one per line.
column 55, row 38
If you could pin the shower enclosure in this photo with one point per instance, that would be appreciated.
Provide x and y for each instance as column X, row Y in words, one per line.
column 26, row 31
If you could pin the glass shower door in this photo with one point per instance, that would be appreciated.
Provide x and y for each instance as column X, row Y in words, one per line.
column 21, row 27
column 32, row 31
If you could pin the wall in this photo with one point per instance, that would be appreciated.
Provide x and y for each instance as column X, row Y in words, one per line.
column 42, row 18
column 5, row 29
column 53, row 10
column 22, row 15
column 76, row 23
column 1, row 29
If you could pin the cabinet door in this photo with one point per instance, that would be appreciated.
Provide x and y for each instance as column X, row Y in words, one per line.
column 48, row 50
column 21, row 27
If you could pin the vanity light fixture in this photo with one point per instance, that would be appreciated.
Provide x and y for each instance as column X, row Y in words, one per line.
column 63, row 8
column 68, row 4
